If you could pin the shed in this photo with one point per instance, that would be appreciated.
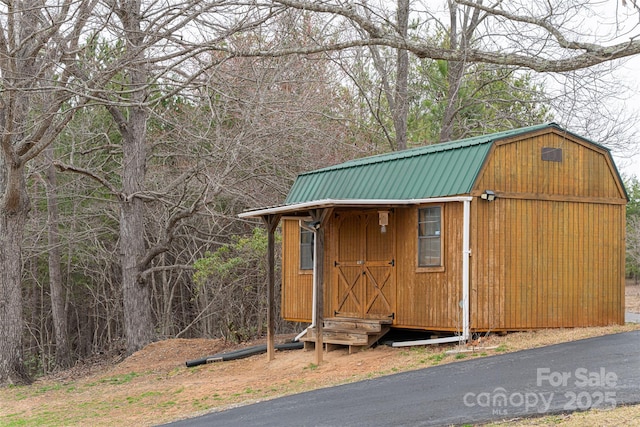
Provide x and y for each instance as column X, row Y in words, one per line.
column 517, row 230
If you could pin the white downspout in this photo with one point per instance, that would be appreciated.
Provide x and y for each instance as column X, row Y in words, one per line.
column 464, row 303
column 466, row 254
column 314, row 281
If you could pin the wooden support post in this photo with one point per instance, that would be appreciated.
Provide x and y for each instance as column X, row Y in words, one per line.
column 319, row 320
column 320, row 216
column 271, row 222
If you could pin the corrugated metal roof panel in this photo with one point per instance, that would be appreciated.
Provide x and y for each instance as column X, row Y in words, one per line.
column 438, row 170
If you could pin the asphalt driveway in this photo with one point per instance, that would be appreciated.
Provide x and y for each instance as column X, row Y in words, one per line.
column 593, row 373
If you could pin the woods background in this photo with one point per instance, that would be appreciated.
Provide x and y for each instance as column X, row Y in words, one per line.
column 132, row 133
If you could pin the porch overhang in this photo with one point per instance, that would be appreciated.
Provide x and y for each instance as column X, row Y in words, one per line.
column 303, row 207
column 319, row 210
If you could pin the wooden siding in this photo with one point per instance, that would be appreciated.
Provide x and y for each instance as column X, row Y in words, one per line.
column 517, row 169
column 545, row 264
column 297, row 285
column 429, row 298
column 549, row 251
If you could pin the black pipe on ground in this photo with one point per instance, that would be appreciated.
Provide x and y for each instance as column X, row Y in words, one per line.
column 242, row 353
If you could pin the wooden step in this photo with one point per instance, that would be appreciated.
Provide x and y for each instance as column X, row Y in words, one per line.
column 340, row 337
column 351, row 332
column 351, row 323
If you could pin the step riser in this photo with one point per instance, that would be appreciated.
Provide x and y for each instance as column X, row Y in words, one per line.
column 360, row 333
column 374, row 325
column 371, row 327
column 337, row 337
column 386, row 321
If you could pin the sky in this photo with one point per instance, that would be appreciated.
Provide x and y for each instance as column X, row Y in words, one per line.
column 626, row 24
column 630, row 165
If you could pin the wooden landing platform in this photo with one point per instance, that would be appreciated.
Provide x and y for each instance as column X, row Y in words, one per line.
column 349, row 332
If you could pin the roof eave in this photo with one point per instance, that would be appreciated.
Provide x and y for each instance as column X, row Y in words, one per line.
column 354, row 203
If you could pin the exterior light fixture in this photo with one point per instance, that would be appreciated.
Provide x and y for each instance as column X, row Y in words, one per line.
column 488, row 195
column 383, row 220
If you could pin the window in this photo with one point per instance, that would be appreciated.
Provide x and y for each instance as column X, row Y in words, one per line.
column 306, row 249
column 429, row 237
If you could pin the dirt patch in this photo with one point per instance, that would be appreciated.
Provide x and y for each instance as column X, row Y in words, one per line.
column 154, row 386
column 171, row 354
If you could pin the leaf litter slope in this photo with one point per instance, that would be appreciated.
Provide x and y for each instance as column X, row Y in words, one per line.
column 154, row 386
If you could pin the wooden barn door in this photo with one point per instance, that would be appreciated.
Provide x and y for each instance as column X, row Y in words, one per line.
column 364, row 277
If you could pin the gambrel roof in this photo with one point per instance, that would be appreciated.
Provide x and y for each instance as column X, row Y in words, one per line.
column 438, row 170
column 411, row 176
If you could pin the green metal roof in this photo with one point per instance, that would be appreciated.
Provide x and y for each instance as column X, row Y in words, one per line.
column 438, row 170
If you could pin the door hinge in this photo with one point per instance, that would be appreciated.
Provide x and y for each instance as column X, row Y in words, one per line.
column 392, row 263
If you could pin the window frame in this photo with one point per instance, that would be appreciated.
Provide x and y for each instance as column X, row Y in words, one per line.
column 430, row 268
column 302, row 246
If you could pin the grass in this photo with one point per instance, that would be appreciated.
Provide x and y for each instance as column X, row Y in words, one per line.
column 620, row 416
column 148, row 397
column 437, row 358
column 120, row 379
column 501, row 348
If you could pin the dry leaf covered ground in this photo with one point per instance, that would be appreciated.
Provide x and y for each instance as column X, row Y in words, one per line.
column 154, row 386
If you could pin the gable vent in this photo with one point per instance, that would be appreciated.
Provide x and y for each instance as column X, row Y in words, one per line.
column 550, row 154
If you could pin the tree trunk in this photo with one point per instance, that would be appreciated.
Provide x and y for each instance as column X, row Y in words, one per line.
column 139, row 325
column 139, row 328
column 455, row 70
column 460, row 38
column 401, row 110
column 58, row 312
column 14, row 207
column 138, row 319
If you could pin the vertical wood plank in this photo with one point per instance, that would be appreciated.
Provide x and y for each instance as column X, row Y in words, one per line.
column 297, row 285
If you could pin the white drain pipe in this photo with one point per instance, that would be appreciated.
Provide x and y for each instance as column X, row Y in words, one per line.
column 466, row 255
column 464, row 303
column 314, row 281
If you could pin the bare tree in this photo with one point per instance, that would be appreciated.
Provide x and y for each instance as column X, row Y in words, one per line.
column 461, row 38
column 548, row 37
column 37, row 45
column 207, row 162
column 594, row 102
column 445, row 99
column 555, row 38
column 48, row 70
column 159, row 51
column 402, row 76
column 396, row 94
column 56, row 288
column 132, row 122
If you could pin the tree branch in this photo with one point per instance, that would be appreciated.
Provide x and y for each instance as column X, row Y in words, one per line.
column 65, row 167
column 170, row 228
column 591, row 54
column 146, row 273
